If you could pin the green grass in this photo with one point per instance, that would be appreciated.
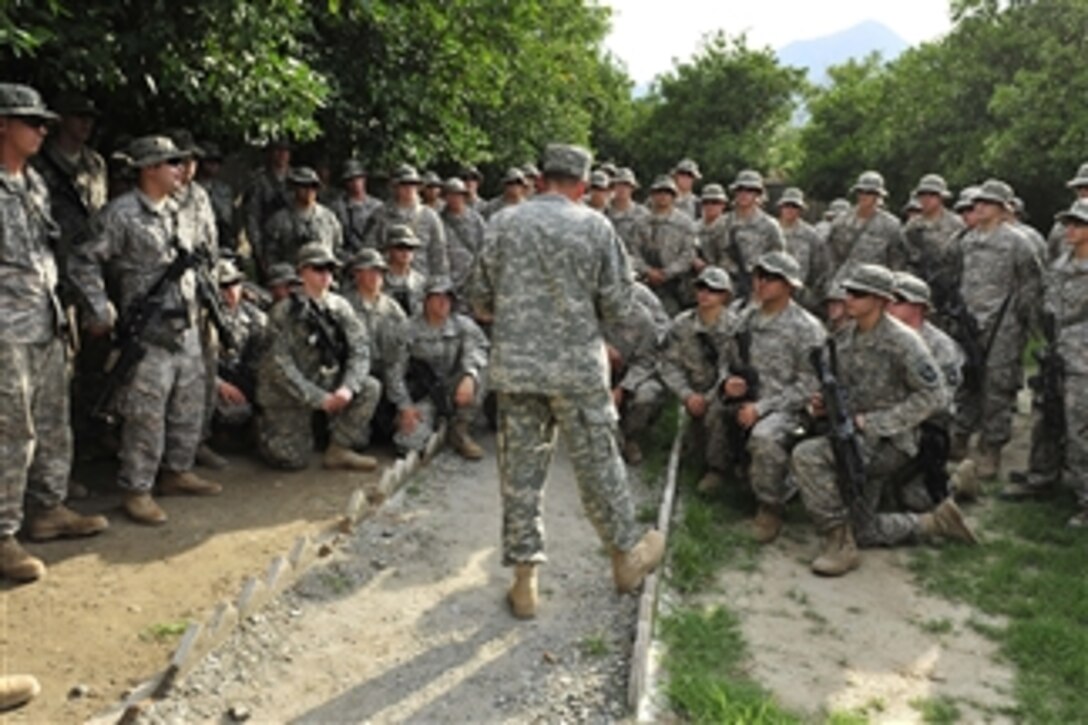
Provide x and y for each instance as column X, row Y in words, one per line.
column 164, row 631
column 938, row 710
column 1034, row 572
column 657, row 442
column 595, row 645
column 936, row 626
column 847, row 717
column 706, row 681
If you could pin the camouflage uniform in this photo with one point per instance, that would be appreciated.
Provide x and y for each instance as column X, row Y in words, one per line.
column 804, row 244
column 221, row 196
column 387, row 331
column 713, row 239
column 433, row 258
column 636, row 337
column 876, row 240
column 238, row 365
column 464, row 237
column 628, row 221
column 36, row 440
column 355, row 219
column 292, row 382
column 779, row 353
column 889, row 377
column 406, row 290
column 667, row 242
column 290, row 228
column 927, row 242
column 756, row 234
column 78, row 187
column 267, row 194
column 549, row 270
column 645, row 297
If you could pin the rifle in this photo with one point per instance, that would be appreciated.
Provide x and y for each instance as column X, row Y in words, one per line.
column 207, row 294
column 968, row 333
column 324, row 334
column 743, row 282
column 1049, row 383
column 737, row 435
column 424, row 383
column 844, row 437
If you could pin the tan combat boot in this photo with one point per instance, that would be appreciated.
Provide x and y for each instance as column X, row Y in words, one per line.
column 947, row 520
column 186, row 483
column 522, row 595
column 16, row 690
column 142, row 509
column 629, row 568
column 462, row 442
column 16, row 564
column 987, row 462
column 58, row 521
column 338, row 457
column 964, row 482
column 711, row 482
column 208, row 458
column 840, row 554
column 768, row 523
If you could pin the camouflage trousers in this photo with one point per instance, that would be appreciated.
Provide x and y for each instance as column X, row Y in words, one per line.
column 35, row 437
column 526, row 443
column 163, row 412
column 286, row 440
column 1052, row 462
column 429, row 418
column 768, row 447
column 813, row 467
column 709, row 436
column 641, row 407
column 989, row 410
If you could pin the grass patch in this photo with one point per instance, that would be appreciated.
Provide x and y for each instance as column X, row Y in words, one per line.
column 595, row 645
column 937, row 710
column 656, row 443
column 936, row 626
column 707, row 682
column 847, row 717
column 1034, row 573
column 164, row 631
column 336, row 582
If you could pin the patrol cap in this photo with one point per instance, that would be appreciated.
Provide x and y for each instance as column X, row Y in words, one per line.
column 838, row 206
column 303, row 176
column 712, row 193
column 625, row 176
column 151, row 150
column 71, row 103
column 183, row 139
column 282, row 273
column 353, row 169
column 932, row 184
column 874, row 279
column 869, row 182
column 715, row 279
column 599, row 180
column 513, row 175
column 366, row 259
column 910, row 288
column 211, row 150
column 439, row 284
column 967, row 198
column 792, row 196
column 783, row 265
column 19, row 100
column 226, row 273
column 1077, row 213
column 454, row 185
column 749, row 179
column 401, row 235
column 664, row 183
column 406, row 174
column 432, row 179
column 567, row 160
column 689, row 167
column 316, row 254
column 1081, row 179
column 994, row 191
column 530, row 171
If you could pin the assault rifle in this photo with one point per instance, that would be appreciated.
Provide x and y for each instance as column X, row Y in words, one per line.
column 737, row 435
column 843, row 435
column 324, row 334
column 1049, row 382
column 743, row 278
column 975, row 354
column 207, row 294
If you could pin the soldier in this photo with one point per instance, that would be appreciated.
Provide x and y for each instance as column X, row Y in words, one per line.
column 532, row 178
column 430, row 194
column 318, row 361
column 549, row 271
column 405, row 209
column 464, row 232
column 266, row 195
column 689, row 363
column 868, row 234
column 135, row 239
column 303, row 221
column 513, row 193
column 623, row 212
column 892, row 384
column 1016, row 216
column 684, row 175
column 664, row 246
column 750, row 232
column 599, row 196
column 965, row 207
column 355, row 209
column 771, row 346
column 447, row 363
column 835, row 209
column 472, row 178
column 1062, row 455
column 404, row 283
column 219, row 193
column 34, row 430
column 711, row 226
column 282, row 280
column 1001, row 284
column 805, row 246
column 835, row 308
column 236, row 370
column 929, row 235
column 1056, row 239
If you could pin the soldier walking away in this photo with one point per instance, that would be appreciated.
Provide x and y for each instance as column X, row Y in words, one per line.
column 549, row 272
column 34, row 415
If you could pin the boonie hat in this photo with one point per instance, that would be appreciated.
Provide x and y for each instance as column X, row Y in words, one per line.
column 316, row 254
column 401, row 235
column 749, row 179
column 715, row 279
column 910, row 288
column 367, row 259
column 713, row 192
column 869, row 182
column 874, row 279
column 783, row 265
column 17, row 99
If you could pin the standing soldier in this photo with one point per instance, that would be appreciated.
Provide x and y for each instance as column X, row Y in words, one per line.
column 305, row 220
column 664, row 247
column 929, row 234
column 266, row 195
column 430, row 194
column 712, row 230
column 1001, row 284
column 219, row 192
column 549, row 272
column 1056, row 240
column 513, row 193
column 34, row 430
column 532, row 178
column 1015, row 216
column 623, row 212
column 355, row 209
column 685, row 174
column 868, row 234
column 600, row 192
column 750, row 232
column 405, row 209
column 318, row 361
column 404, row 283
column 689, row 366
column 464, row 232
column 472, row 178
column 138, row 238
column 836, row 208
column 806, row 247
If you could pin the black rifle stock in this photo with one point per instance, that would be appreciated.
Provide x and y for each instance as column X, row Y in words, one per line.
column 738, row 435
column 843, row 435
column 1049, row 382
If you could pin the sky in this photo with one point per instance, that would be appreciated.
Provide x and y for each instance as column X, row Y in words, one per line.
column 648, row 34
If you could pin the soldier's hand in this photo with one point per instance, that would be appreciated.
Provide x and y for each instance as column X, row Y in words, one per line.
column 655, row 277
column 466, row 392
column 615, row 359
column 747, row 415
column 696, row 405
column 617, row 397
column 735, row 387
column 231, row 393
column 816, row 402
column 859, row 421
column 337, row 400
column 408, row 419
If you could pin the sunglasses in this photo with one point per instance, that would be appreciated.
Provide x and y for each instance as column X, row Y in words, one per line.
column 38, row 122
column 175, row 162
column 768, row 276
column 859, row 294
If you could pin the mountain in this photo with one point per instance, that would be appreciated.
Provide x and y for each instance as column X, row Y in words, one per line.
column 817, row 54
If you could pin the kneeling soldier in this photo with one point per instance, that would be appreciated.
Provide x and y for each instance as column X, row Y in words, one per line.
column 236, row 379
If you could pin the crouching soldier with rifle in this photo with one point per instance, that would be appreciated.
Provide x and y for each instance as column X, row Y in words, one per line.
column 1059, row 442
column 318, row 361
column 236, row 378
column 767, row 382
column 878, row 382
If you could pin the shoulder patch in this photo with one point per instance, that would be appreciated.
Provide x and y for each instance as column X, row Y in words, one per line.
column 927, row 372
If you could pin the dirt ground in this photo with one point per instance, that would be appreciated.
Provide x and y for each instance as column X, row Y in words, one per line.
column 107, row 615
